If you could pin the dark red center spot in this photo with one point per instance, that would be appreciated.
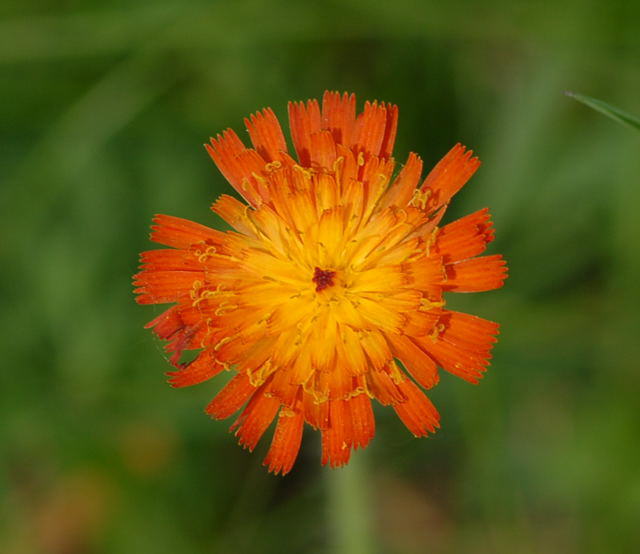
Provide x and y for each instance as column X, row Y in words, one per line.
column 323, row 278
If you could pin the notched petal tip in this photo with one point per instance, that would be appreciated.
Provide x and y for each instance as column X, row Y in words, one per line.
column 479, row 274
column 465, row 238
column 266, row 134
column 448, row 176
column 417, row 412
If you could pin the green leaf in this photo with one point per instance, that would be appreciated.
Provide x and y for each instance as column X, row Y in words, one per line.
column 607, row 109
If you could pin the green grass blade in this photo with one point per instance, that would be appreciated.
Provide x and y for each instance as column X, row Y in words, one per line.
column 607, row 109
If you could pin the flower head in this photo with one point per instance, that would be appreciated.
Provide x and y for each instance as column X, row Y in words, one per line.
column 334, row 273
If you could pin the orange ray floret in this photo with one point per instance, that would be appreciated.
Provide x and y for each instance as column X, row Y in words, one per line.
column 339, row 115
column 329, row 292
column 266, row 134
column 286, row 441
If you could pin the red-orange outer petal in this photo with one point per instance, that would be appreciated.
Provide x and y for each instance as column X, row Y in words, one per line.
column 339, row 115
column 448, row 176
column 286, row 442
column 255, row 418
column 417, row 412
column 231, row 398
column 304, row 120
column 266, row 134
column 476, row 275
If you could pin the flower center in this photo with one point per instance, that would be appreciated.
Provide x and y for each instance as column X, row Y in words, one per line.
column 323, row 278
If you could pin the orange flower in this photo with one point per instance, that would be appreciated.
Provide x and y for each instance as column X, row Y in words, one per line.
column 334, row 272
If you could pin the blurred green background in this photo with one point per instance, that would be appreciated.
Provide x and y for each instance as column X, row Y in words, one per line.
column 104, row 107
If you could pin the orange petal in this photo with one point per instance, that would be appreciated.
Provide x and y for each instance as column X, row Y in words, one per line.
column 323, row 149
column 160, row 287
column 466, row 237
column 391, row 128
column 202, row 368
column 183, row 326
column 339, row 115
column 166, row 323
column 255, row 419
column 363, row 422
column 401, row 190
column 238, row 164
column 303, row 121
column 286, row 442
column 476, row 275
column 345, row 177
column 189, row 337
column 468, row 331
column 375, row 129
column 425, row 272
column 169, row 260
column 182, row 233
column 231, row 398
column 448, row 176
column 283, row 388
column 420, row 323
column 349, row 350
column 315, row 414
column 418, row 363
column 231, row 348
column 462, row 344
column 234, row 213
column 417, row 412
column 338, row 437
column 266, row 134
column 376, row 349
column 385, row 389
column 375, row 176
column 456, row 361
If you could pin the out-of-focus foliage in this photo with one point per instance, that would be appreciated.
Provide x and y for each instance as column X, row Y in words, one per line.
column 103, row 110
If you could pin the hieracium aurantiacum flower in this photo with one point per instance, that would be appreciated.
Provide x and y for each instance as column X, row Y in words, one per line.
column 329, row 292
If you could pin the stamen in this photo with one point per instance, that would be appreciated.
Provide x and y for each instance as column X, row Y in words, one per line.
column 323, row 278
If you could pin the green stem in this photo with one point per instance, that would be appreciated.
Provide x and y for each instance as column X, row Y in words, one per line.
column 349, row 504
